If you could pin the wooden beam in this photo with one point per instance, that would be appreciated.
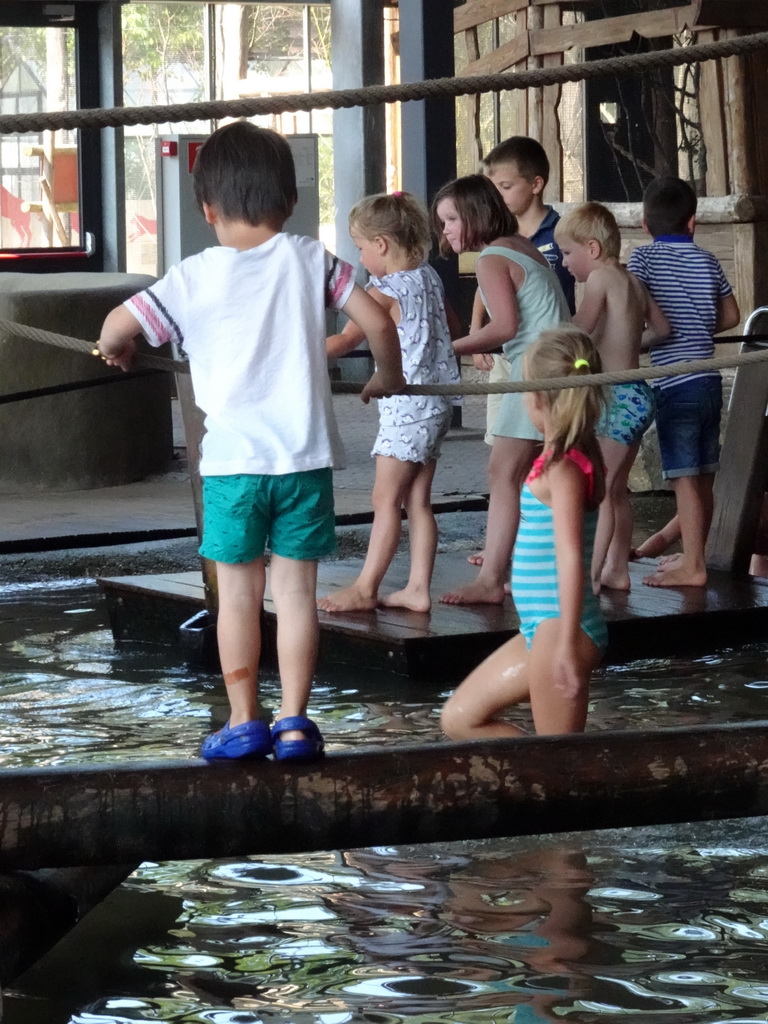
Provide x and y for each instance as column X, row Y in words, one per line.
column 40, row 907
column 501, row 59
column 733, row 209
column 186, row 810
column 477, row 12
column 604, row 31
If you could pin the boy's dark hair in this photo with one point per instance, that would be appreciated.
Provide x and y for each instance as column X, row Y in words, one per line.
column 246, row 173
column 668, row 205
column 484, row 214
column 527, row 154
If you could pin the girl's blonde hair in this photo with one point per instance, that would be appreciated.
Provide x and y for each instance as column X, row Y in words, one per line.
column 573, row 412
column 398, row 216
column 591, row 222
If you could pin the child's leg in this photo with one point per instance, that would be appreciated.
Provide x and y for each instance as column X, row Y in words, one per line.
column 614, row 525
column 660, row 541
column 500, row 373
column 241, row 596
column 694, row 497
column 553, row 712
column 511, row 459
column 293, row 585
column 499, row 682
column 393, row 481
column 422, row 534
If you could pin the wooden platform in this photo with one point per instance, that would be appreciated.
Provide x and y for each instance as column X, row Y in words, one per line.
column 646, row 622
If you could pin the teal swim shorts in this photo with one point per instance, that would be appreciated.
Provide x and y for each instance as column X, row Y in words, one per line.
column 292, row 513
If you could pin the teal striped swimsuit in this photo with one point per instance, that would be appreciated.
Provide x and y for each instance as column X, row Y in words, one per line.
column 534, row 566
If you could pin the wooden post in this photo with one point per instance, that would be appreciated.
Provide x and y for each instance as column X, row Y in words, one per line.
column 193, row 419
column 741, row 480
column 437, row 793
column 550, row 130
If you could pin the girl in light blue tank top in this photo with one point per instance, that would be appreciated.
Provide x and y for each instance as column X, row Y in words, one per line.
column 523, row 297
column 562, row 632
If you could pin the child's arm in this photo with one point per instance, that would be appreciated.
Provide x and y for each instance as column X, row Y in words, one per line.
column 379, row 328
column 658, row 328
column 116, row 342
column 339, row 344
column 351, row 336
column 481, row 360
column 568, row 495
column 594, row 303
column 499, row 289
column 728, row 314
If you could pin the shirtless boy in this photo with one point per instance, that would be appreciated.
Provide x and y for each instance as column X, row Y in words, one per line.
column 619, row 313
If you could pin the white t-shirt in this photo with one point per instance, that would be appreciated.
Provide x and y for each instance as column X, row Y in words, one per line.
column 252, row 323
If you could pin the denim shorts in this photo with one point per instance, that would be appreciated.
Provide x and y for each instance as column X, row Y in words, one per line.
column 688, row 424
column 292, row 513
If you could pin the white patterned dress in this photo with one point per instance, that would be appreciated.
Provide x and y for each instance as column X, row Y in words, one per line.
column 412, row 427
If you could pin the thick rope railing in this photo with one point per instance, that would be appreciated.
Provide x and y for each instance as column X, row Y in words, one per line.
column 8, row 328
column 632, row 64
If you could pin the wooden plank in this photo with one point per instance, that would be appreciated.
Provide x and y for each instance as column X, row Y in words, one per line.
column 712, row 114
column 603, row 31
column 40, row 907
column 444, row 792
column 501, row 59
column 477, row 12
column 731, row 209
column 451, row 640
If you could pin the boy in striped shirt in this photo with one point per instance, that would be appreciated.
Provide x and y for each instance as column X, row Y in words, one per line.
column 689, row 285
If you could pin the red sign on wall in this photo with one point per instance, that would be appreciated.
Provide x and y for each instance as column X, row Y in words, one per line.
column 192, row 154
column 169, row 148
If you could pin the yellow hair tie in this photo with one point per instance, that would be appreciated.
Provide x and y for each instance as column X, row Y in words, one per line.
column 579, row 363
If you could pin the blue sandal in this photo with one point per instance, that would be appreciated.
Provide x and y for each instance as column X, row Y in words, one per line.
column 251, row 739
column 308, row 749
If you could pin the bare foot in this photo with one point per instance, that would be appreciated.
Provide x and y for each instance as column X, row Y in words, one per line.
column 677, row 577
column 670, row 561
column 350, row 599
column 478, row 592
column 615, row 579
column 413, row 600
column 476, row 559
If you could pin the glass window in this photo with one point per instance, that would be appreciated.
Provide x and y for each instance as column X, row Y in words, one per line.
column 39, row 172
column 184, row 52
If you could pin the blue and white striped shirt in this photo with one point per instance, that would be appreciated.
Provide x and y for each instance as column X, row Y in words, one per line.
column 688, row 283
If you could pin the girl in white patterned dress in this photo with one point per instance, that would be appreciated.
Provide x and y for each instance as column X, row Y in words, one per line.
column 392, row 234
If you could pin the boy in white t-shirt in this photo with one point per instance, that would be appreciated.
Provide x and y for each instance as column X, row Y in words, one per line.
column 250, row 316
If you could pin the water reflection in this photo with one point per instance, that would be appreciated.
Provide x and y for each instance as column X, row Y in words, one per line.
column 520, row 931
column 68, row 695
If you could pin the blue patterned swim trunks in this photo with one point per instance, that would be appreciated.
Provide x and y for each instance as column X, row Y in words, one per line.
column 631, row 408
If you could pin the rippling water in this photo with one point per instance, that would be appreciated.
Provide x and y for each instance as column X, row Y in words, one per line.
column 504, row 931
column 519, row 931
column 68, row 695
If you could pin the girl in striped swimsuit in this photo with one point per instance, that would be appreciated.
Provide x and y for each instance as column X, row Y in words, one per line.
column 562, row 633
